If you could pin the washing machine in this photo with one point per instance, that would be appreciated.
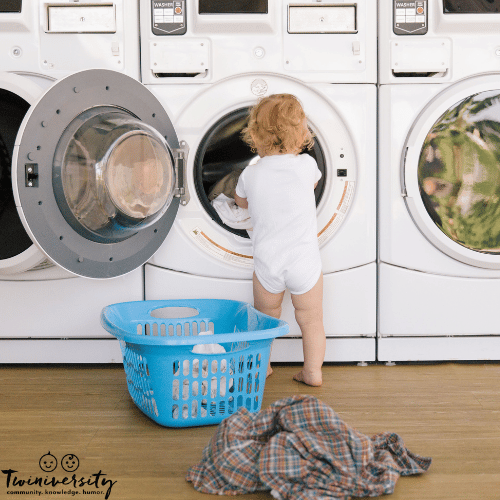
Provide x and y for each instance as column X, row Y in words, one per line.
column 47, row 313
column 207, row 62
column 439, row 180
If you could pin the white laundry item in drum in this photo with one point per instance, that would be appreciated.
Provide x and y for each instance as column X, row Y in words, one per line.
column 231, row 214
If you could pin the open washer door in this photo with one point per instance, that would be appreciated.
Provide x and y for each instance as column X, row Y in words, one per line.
column 451, row 171
column 97, row 173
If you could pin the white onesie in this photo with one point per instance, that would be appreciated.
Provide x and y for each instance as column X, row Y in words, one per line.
column 281, row 203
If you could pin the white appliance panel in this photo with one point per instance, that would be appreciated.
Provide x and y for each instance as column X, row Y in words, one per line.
column 46, row 317
column 260, row 43
column 438, row 348
column 454, row 47
column 32, row 48
column 338, row 350
column 196, row 239
column 60, row 350
column 422, row 304
column 53, row 48
column 436, row 297
column 346, row 293
column 401, row 242
column 451, row 180
column 36, row 56
column 222, row 64
column 62, row 308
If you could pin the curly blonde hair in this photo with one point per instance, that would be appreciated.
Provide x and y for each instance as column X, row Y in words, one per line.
column 278, row 125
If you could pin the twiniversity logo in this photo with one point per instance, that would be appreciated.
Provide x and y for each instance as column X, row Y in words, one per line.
column 52, row 485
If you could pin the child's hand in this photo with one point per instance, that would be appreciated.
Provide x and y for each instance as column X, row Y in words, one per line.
column 241, row 202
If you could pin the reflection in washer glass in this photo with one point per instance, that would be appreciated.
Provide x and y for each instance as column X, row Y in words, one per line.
column 138, row 176
column 459, row 172
column 222, row 155
column 117, row 172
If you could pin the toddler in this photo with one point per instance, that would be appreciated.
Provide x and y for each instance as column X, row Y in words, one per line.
column 279, row 193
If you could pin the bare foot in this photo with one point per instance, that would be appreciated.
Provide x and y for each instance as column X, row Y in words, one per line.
column 269, row 370
column 314, row 379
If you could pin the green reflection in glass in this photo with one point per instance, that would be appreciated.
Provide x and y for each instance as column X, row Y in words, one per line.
column 459, row 172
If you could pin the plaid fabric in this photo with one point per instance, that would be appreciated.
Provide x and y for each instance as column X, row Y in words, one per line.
column 300, row 449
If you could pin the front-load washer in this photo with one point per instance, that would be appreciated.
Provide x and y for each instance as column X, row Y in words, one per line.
column 207, row 62
column 439, row 180
column 41, row 306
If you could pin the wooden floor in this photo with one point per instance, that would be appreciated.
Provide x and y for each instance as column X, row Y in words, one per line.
column 450, row 412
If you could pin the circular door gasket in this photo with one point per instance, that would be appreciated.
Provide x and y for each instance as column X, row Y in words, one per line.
column 222, row 150
column 454, row 215
column 34, row 173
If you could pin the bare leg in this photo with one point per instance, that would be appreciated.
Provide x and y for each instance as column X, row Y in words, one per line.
column 309, row 316
column 267, row 303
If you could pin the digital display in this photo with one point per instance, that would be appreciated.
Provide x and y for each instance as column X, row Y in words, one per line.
column 471, row 6
column 233, row 6
column 11, row 5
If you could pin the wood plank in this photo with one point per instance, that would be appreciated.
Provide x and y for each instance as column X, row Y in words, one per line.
column 448, row 411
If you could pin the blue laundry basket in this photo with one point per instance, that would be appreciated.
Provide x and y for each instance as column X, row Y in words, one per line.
column 177, row 387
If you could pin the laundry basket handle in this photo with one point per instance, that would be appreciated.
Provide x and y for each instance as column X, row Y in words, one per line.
column 233, row 321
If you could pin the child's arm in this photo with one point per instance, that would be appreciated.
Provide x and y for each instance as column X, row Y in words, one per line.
column 241, row 202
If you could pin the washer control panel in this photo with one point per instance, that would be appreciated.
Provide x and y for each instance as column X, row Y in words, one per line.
column 168, row 18
column 410, row 18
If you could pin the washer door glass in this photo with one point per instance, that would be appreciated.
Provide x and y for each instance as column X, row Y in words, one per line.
column 459, row 172
column 116, row 174
column 94, row 173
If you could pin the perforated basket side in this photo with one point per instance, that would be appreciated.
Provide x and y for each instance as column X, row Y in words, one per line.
column 178, row 388
column 139, row 380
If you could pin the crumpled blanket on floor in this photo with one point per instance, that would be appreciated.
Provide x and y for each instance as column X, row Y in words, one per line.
column 300, row 449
